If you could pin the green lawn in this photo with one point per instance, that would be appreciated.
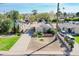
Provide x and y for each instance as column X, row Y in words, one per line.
column 77, row 39
column 7, row 42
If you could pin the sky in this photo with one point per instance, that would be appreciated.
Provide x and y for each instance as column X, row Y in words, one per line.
column 40, row 7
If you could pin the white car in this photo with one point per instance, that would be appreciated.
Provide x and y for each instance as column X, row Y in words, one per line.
column 70, row 37
column 76, row 22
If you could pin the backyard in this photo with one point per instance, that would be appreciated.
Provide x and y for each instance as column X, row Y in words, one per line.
column 7, row 42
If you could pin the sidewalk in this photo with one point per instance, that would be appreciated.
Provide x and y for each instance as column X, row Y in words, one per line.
column 19, row 48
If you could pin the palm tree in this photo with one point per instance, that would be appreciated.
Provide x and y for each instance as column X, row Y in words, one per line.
column 14, row 16
column 65, row 14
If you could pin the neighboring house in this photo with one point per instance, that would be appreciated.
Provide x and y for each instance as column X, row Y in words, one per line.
column 70, row 27
column 68, row 15
column 42, row 27
column 23, row 26
column 27, row 20
column 26, row 17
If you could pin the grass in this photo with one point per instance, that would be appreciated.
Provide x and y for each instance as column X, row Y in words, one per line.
column 77, row 39
column 7, row 42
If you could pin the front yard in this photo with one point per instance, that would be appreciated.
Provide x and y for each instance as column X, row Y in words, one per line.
column 7, row 42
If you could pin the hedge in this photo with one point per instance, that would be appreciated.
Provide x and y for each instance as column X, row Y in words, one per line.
column 71, row 19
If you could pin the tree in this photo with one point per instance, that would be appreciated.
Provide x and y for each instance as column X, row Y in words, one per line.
column 40, row 16
column 21, row 16
column 44, row 16
column 59, row 13
column 65, row 14
column 32, row 18
column 34, row 12
column 5, row 26
column 77, row 14
column 14, row 15
column 1, row 16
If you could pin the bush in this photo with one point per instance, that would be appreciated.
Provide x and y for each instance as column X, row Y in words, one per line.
column 50, row 31
column 54, row 20
column 39, row 34
column 71, row 19
column 41, row 39
column 67, row 19
column 18, row 34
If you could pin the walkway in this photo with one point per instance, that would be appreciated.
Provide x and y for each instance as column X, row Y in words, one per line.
column 21, row 45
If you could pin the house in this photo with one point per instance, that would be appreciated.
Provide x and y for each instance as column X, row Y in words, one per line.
column 42, row 27
column 70, row 28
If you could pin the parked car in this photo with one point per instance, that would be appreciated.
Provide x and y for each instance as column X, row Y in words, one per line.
column 77, row 23
column 70, row 37
column 64, row 32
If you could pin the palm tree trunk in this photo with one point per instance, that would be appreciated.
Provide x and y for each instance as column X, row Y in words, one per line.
column 14, row 28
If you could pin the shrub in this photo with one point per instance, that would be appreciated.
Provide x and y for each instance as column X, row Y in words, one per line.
column 51, row 31
column 54, row 20
column 39, row 34
column 18, row 34
column 41, row 39
column 71, row 19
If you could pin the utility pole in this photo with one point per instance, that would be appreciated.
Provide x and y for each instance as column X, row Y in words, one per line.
column 57, row 17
